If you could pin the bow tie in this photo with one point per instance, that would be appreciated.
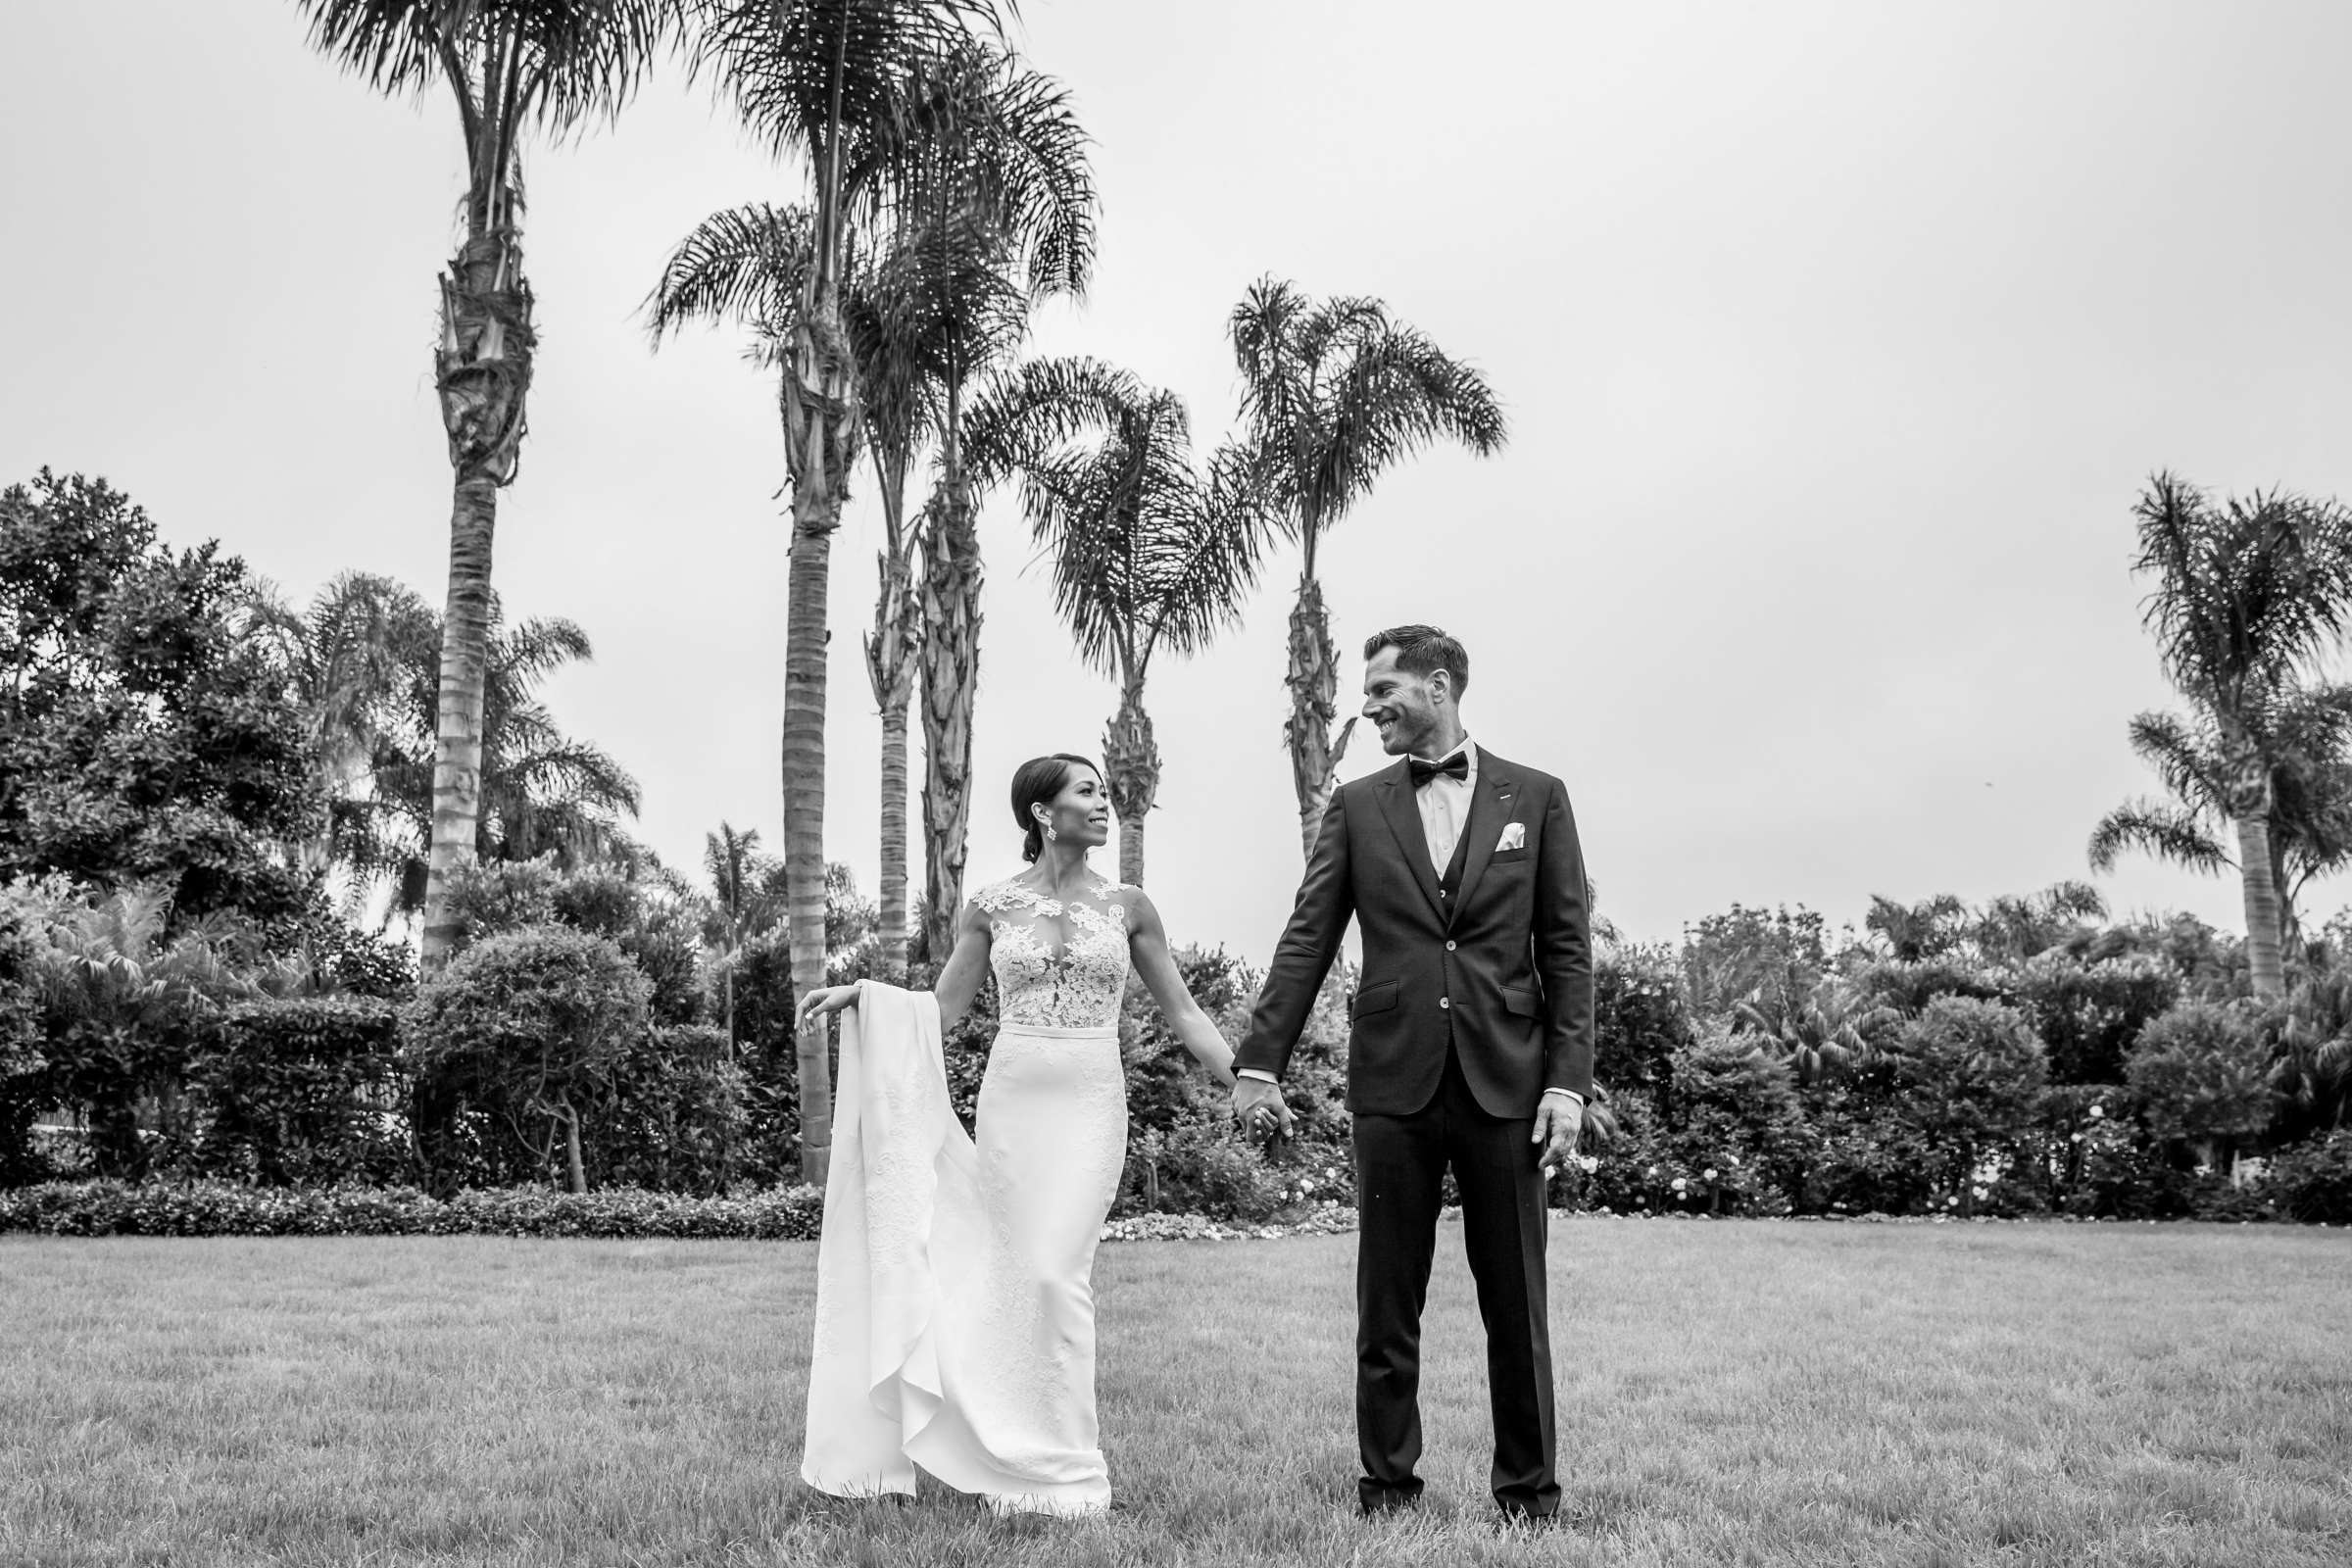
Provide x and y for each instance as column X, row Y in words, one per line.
column 1455, row 767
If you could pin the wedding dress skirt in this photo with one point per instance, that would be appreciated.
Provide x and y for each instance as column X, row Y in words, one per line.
column 954, row 1310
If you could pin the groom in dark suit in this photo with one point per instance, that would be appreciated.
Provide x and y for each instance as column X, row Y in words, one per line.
column 1471, row 1047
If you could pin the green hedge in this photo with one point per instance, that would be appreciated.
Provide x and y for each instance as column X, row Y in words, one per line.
column 223, row 1209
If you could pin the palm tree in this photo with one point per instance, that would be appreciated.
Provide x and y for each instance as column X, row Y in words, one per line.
column 2011, row 929
column 1333, row 394
column 1916, row 931
column 1000, row 187
column 830, row 80
column 512, row 66
column 1146, row 556
column 1826, row 1028
column 348, row 654
column 732, row 861
column 541, row 791
column 2309, row 826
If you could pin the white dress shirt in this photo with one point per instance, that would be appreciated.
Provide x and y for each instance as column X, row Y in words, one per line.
column 1444, row 803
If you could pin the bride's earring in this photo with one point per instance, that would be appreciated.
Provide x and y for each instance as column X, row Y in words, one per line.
column 1050, row 833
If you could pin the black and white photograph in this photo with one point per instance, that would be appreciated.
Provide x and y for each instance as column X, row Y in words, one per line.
column 1313, row 783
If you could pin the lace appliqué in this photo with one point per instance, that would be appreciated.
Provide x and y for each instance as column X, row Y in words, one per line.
column 1078, row 987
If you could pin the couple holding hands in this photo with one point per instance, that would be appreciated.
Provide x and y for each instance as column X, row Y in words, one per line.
column 955, row 1315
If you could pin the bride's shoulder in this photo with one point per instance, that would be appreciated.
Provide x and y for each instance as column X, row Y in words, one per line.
column 1009, row 894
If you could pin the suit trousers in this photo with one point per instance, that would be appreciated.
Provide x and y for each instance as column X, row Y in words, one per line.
column 1401, row 1162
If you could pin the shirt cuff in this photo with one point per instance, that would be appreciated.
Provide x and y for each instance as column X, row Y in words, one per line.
column 1259, row 1073
column 1570, row 1092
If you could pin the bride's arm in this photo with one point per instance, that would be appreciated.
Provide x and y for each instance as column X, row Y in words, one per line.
column 958, row 979
column 1148, row 941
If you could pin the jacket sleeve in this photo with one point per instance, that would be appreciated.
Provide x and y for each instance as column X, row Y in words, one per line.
column 1302, row 958
column 1562, row 950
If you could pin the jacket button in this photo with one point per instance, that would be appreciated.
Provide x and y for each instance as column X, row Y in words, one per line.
column 1444, row 1002
column 1449, row 946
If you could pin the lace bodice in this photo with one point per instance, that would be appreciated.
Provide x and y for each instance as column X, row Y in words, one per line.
column 1059, row 964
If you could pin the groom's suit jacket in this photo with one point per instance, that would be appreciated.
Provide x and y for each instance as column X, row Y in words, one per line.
column 1498, row 968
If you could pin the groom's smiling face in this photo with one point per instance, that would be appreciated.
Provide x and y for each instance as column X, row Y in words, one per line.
column 1408, row 710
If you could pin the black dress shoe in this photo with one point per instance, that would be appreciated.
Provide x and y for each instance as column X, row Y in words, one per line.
column 1373, row 1501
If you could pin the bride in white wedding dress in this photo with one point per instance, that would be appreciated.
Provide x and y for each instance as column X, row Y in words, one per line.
column 954, row 1317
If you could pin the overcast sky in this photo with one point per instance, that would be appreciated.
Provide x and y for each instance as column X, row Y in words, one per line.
column 1836, row 339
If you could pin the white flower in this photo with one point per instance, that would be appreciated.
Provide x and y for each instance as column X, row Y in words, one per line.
column 1679, row 1183
column 2099, row 1110
column 1708, row 1175
column 1589, row 1163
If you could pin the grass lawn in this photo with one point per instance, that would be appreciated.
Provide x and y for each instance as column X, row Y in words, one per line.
column 1729, row 1393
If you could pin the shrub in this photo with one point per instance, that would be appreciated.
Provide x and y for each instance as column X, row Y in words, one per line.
column 23, row 1070
column 1638, row 1020
column 1736, row 1140
column 1910, row 984
column 678, row 1116
column 2200, row 1078
column 2087, row 1014
column 529, row 1026
column 223, row 1209
column 2312, row 1181
column 299, row 1092
column 1964, row 1077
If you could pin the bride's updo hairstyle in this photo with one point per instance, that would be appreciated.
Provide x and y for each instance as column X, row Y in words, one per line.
column 1036, row 783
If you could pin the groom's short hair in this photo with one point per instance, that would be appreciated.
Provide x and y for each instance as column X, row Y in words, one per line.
column 1422, row 649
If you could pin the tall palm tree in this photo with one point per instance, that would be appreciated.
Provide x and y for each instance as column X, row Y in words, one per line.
column 513, row 67
column 941, row 300
column 830, row 81
column 1333, row 394
column 2309, row 823
column 999, row 176
column 1146, row 555
column 2248, row 597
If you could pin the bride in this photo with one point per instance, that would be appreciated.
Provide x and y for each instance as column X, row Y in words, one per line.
column 955, row 1315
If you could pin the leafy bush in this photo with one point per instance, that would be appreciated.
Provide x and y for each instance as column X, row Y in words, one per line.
column 23, row 1070
column 2312, row 1181
column 223, row 1209
column 1639, row 1020
column 1964, row 1077
column 1737, row 1141
column 298, row 1092
column 529, row 1027
column 1910, row 985
column 2200, row 1078
column 678, row 1116
column 2089, row 1015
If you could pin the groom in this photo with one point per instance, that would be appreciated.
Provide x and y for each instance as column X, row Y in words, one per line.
column 1471, row 1047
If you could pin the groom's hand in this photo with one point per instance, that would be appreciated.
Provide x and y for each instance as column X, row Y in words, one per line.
column 1258, row 1110
column 1558, row 1121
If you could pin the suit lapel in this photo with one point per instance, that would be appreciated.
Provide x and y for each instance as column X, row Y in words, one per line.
column 1404, row 815
column 1487, row 812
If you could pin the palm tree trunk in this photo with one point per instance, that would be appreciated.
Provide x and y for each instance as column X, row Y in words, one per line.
column 820, row 434
column 892, row 922
column 1315, row 683
column 1133, row 762
column 2262, row 904
column 483, row 370
column 950, row 674
column 891, row 650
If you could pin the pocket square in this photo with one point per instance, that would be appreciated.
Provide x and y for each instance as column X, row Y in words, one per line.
column 1514, row 837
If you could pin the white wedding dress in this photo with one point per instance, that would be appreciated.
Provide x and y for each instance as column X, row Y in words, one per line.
column 955, row 1308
